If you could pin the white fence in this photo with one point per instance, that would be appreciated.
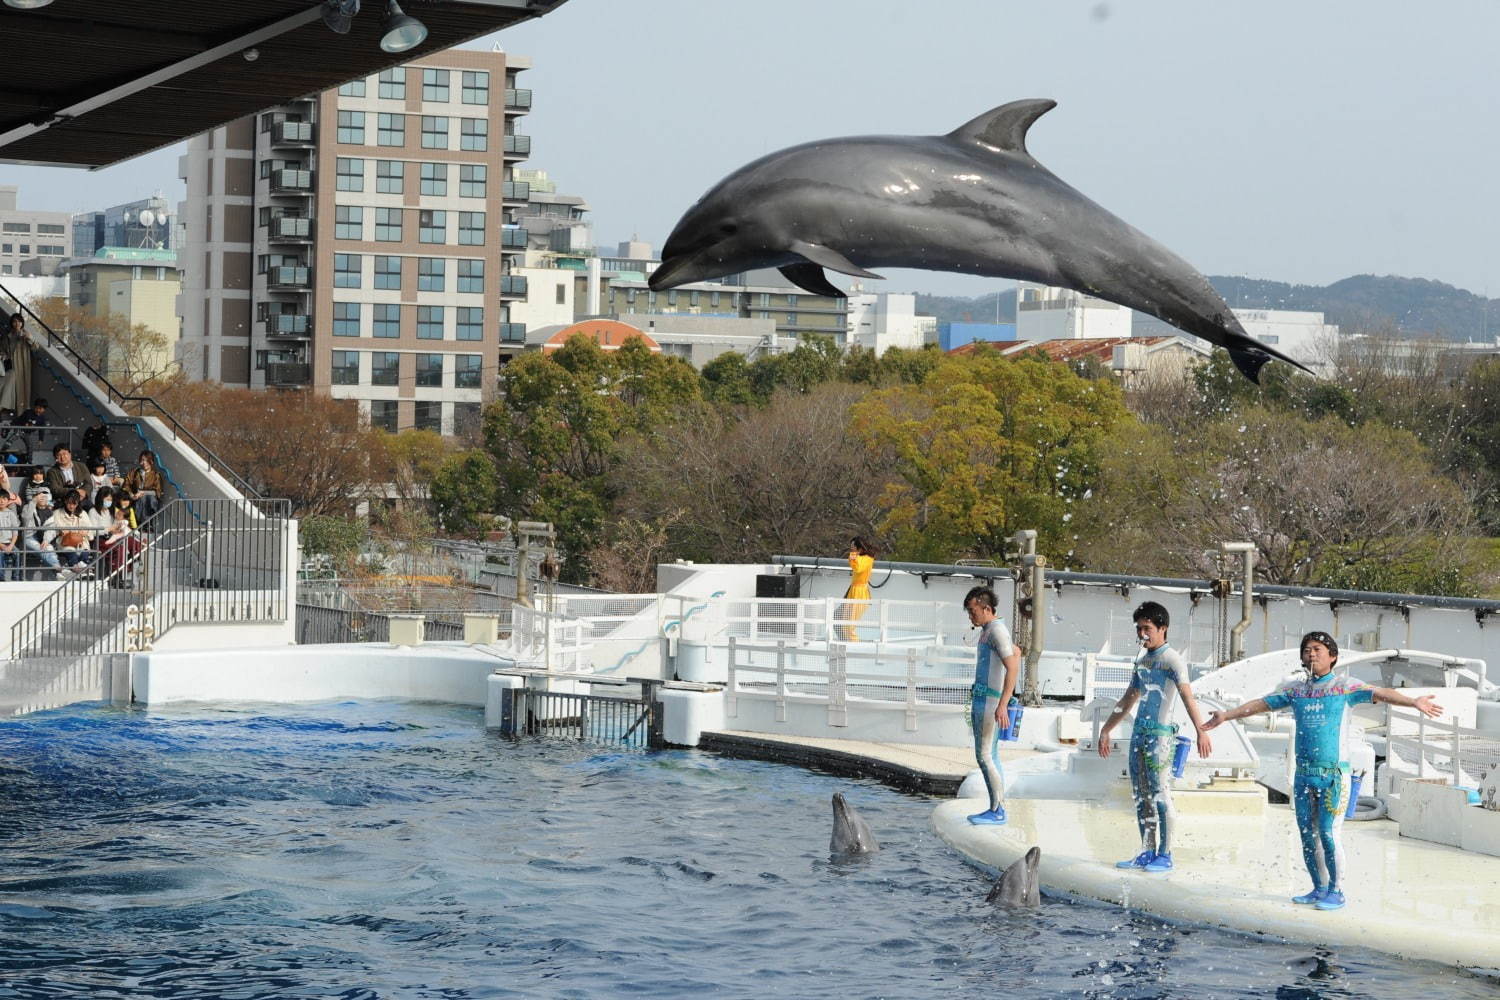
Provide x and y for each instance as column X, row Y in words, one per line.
column 805, row 621
column 1437, row 749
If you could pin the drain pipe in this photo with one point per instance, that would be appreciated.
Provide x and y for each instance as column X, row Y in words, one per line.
column 1036, row 568
column 1247, row 597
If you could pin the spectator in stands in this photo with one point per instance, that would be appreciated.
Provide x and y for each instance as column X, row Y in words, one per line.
column 15, row 363
column 36, row 484
column 118, row 544
column 11, row 552
column 125, row 503
column 75, row 533
column 65, row 474
column 111, row 464
column 7, row 486
column 36, row 529
column 13, row 446
column 145, row 483
column 34, row 417
column 94, row 440
column 98, row 478
column 102, row 509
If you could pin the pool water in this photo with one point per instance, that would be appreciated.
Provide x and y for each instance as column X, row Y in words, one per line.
column 385, row 849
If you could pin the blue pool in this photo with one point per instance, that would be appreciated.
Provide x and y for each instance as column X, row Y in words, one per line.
column 398, row 850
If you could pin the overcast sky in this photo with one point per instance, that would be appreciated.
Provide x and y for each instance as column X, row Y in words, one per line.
column 1283, row 139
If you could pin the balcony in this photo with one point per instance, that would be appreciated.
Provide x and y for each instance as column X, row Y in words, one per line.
column 513, row 238
column 513, row 285
column 292, row 134
column 516, row 191
column 518, row 145
column 291, row 229
column 287, row 325
column 512, row 333
column 289, row 181
column 288, row 375
column 517, row 100
column 289, row 277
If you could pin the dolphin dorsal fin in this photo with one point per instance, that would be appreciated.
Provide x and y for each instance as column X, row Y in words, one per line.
column 1004, row 128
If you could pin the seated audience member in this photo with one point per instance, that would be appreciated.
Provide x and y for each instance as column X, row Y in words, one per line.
column 118, row 544
column 65, row 474
column 11, row 552
column 98, row 478
column 34, row 417
column 146, row 484
column 125, row 503
column 37, row 533
column 7, row 486
column 75, row 533
column 111, row 464
column 36, row 484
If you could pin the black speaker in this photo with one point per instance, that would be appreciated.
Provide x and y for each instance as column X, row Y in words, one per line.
column 778, row 585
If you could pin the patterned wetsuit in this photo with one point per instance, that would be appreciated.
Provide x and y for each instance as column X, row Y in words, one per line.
column 1321, row 789
column 1156, row 676
column 989, row 683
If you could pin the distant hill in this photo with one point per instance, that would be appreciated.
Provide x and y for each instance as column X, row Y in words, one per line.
column 1364, row 303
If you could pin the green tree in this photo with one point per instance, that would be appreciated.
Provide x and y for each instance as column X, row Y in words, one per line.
column 726, row 380
column 465, row 490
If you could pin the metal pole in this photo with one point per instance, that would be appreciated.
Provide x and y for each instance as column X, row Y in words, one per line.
column 1037, row 565
column 1247, row 597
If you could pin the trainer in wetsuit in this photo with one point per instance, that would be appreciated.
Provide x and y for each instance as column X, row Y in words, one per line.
column 1157, row 677
column 996, row 667
column 1320, row 791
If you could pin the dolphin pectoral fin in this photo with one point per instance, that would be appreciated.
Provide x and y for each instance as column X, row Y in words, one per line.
column 1004, row 128
column 828, row 257
column 810, row 278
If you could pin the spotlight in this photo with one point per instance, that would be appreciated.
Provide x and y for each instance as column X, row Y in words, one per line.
column 337, row 14
column 27, row 4
column 399, row 32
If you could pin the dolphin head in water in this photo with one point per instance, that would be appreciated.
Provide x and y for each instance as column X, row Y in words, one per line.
column 973, row 201
column 1018, row 885
column 851, row 834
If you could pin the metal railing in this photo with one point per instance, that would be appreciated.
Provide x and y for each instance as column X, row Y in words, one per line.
column 909, row 678
column 144, row 406
column 518, row 98
column 194, row 561
column 295, row 228
column 629, row 722
column 517, row 145
column 318, row 625
column 515, row 191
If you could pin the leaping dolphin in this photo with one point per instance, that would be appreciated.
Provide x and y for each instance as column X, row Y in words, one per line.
column 851, row 834
column 972, row 201
column 1018, row 885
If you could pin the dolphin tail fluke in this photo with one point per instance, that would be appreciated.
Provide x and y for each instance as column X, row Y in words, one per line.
column 1250, row 361
column 810, row 278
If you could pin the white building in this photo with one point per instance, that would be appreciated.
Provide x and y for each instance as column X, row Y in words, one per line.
column 1047, row 313
column 880, row 321
column 1302, row 335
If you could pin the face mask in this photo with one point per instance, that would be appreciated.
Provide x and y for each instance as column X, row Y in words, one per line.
column 106, row 504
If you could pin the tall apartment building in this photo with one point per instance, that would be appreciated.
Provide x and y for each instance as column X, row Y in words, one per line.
column 40, row 240
column 360, row 243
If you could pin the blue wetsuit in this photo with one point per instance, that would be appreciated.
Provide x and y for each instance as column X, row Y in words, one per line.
column 1156, row 676
column 1320, row 791
column 989, row 683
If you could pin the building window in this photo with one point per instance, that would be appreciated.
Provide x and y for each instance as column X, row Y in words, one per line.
column 430, row 274
column 435, row 85
column 471, row 178
column 53, row 250
column 390, row 176
column 346, row 319
column 562, row 295
column 346, row 368
column 468, row 367
column 430, row 371
column 392, row 130
column 435, row 179
column 383, row 413
column 351, row 174
column 388, row 225
column 352, row 127
column 713, row 300
column 47, row 229
column 471, row 276
column 387, row 321
column 346, row 268
column 791, row 301
column 429, row 322
column 791, row 319
column 432, row 227
column 16, row 227
column 434, row 132
column 470, row 323
column 354, row 88
column 471, row 229
column 476, row 87
column 474, row 134
column 427, row 415
column 393, row 84
column 466, row 419
column 385, row 368
column 388, row 272
column 348, row 222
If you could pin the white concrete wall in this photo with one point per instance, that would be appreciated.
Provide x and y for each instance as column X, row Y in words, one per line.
column 17, row 599
column 1046, row 313
column 1303, row 335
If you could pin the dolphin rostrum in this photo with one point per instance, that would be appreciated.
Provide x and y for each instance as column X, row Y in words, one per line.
column 972, row 201
column 1018, row 885
column 851, row 834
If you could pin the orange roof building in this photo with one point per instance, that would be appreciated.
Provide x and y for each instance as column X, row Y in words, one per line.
column 609, row 334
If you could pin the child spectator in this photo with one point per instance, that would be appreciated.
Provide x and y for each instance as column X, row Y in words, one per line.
column 98, row 478
column 37, row 484
column 111, row 464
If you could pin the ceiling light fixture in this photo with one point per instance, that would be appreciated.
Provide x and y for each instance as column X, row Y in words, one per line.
column 27, row 4
column 400, row 32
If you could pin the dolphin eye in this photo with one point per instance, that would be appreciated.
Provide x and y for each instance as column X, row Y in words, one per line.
column 729, row 229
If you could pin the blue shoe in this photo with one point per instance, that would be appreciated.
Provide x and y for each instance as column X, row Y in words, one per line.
column 1309, row 898
column 1141, row 860
column 1159, row 863
column 990, row 817
column 1332, row 900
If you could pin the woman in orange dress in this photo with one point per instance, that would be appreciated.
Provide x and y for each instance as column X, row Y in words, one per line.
column 861, row 562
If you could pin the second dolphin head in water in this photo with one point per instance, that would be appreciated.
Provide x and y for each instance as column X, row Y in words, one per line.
column 1018, row 884
column 851, row 834
column 972, row 201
